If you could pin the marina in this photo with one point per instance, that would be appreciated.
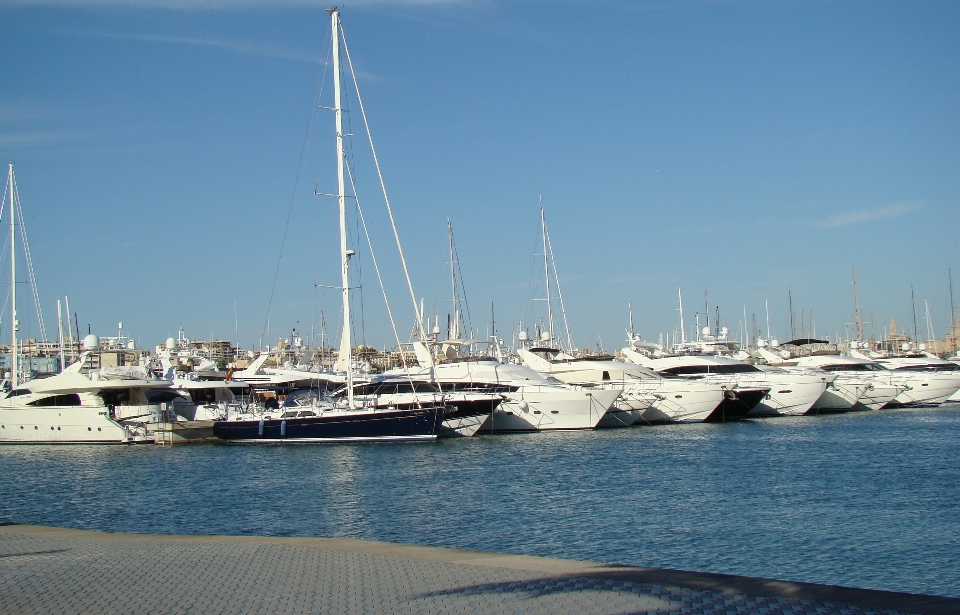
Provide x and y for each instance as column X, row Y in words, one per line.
column 400, row 449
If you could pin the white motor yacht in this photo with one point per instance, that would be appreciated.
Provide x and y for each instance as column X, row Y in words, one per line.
column 81, row 405
column 745, row 386
column 531, row 401
column 931, row 380
column 861, row 384
column 647, row 396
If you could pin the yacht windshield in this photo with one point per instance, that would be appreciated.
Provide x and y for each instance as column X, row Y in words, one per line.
column 707, row 368
column 854, row 367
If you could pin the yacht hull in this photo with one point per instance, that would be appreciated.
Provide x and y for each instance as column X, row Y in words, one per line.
column 550, row 410
column 791, row 397
column 878, row 395
column 736, row 405
column 66, row 425
column 682, row 402
column 417, row 424
column 927, row 388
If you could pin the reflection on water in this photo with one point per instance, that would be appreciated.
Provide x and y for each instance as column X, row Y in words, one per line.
column 866, row 499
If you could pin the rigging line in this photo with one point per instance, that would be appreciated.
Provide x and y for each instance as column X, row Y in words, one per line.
column 293, row 197
column 376, row 267
column 363, row 318
column 33, row 278
column 383, row 187
column 463, row 288
column 559, row 293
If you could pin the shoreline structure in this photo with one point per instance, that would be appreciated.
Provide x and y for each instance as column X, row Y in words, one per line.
column 48, row 569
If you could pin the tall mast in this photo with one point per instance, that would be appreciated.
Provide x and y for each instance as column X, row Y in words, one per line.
column 913, row 302
column 343, row 361
column 546, row 270
column 953, row 317
column 455, row 331
column 683, row 333
column 60, row 333
column 13, row 280
column 856, row 303
column 793, row 315
column 766, row 305
column 630, row 310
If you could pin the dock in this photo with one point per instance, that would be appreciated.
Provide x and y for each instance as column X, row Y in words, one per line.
column 55, row 570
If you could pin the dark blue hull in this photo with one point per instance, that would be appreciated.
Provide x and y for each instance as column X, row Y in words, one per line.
column 363, row 425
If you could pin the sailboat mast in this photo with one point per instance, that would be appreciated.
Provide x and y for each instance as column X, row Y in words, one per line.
column 13, row 281
column 683, row 332
column 766, row 304
column 856, row 303
column 953, row 317
column 546, row 270
column 343, row 361
column 455, row 331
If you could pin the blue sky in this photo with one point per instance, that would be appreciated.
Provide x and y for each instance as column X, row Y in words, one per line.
column 746, row 148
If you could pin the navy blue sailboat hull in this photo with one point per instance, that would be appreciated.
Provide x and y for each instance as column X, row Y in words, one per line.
column 415, row 424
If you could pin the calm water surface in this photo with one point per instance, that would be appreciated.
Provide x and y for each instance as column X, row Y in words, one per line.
column 868, row 499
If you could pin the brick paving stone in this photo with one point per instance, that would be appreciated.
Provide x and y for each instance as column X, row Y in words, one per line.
column 78, row 574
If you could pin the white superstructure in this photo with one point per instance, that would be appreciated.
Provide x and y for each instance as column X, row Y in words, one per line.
column 531, row 401
column 81, row 405
column 861, row 384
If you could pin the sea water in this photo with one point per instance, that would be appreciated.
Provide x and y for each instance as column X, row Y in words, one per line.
column 867, row 499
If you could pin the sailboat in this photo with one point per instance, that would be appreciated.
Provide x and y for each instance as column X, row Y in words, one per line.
column 348, row 417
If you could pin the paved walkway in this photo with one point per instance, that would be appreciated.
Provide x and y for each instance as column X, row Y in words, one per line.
column 52, row 570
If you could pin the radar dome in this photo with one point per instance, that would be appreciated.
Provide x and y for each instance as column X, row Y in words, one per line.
column 775, row 343
column 724, row 331
column 545, row 336
column 523, row 336
column 171, row 344
column 906, row 346
column 91, row 342
column 706, row 330
column 131, row 345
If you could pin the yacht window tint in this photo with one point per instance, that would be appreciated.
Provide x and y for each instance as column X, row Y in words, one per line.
column 853, row 367
column 18, row 392
column 203, row 396
column 605, row 376
column 161, row 396
column 114, row 397
column 687, row 369
column 67, row 399
column 736, row 368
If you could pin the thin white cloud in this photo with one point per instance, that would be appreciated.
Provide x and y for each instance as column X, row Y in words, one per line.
column 866, row 215
column 33, row 139
column 269, row 51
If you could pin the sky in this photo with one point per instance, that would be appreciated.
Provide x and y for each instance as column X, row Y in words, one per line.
column 167, row 155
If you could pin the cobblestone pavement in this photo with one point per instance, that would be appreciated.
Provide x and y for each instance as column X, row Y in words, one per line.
column 47, row 570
